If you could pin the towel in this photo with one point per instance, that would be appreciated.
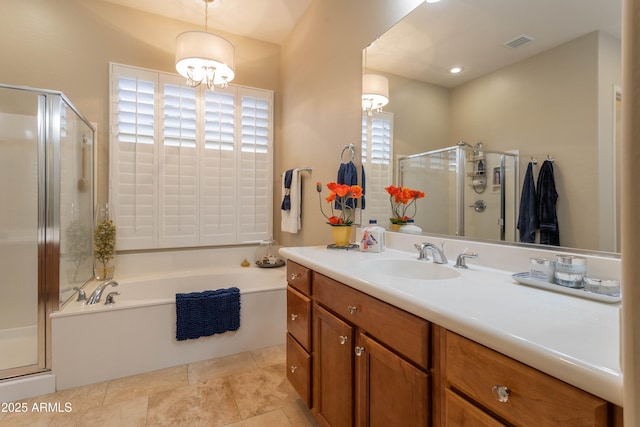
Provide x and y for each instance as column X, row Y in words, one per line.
column 201, row 314
column 290, row 222
column 286, row 190
column 528, row 217
column 547, row 197
column 347, row 174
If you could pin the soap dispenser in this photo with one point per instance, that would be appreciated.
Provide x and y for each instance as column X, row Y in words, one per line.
column 372, row 238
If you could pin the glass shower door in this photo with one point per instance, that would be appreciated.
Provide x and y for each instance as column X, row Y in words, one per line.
column 19, row 233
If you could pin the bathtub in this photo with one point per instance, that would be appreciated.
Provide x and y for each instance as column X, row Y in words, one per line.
column 137, row 333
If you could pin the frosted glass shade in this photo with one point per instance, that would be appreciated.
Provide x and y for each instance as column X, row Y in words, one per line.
column 202, row 57
column 375, row 91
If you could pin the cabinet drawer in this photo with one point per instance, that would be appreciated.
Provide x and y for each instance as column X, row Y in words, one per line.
column 460, row 413
column 404, row 332
column 298, row 317
column 534, row 398
column 299, row 369
column 299, row 277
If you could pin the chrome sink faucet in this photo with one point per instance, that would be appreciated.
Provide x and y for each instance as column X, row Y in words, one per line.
column 95, row 296
column 460, row 261
column 437, row 253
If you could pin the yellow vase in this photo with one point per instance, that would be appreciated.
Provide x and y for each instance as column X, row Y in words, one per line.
column 341, row 234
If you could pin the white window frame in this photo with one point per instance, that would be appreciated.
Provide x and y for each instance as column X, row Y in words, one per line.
column 247, row 171
column 378, row 166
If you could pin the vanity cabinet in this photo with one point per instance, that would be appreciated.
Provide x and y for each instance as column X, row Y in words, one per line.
column 359, row 361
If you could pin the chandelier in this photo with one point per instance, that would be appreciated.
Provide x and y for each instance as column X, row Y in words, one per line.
column 205, row 58
column 375, row 93
column 375, row 89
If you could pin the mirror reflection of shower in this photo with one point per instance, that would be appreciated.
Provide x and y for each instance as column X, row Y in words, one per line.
column 470, row 191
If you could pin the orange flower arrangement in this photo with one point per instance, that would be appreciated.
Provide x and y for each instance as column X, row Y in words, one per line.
column 340, row 194
column 402, row 199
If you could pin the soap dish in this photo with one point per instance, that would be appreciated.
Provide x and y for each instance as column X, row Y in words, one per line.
column 526, row 279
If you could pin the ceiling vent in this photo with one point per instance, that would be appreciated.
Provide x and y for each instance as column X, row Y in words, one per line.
column 519, row 41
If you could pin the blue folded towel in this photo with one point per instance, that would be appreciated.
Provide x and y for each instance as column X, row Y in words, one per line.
column 286, row 200
column 201, row 314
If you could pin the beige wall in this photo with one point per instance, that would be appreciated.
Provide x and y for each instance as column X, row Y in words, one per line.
column 421, row 116
column 67, row 45
column 321, row 85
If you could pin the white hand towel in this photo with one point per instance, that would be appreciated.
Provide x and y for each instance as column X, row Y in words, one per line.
column 291, row 219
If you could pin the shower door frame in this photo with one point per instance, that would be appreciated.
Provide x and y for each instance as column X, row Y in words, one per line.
column 461, row 175
column 48, row 143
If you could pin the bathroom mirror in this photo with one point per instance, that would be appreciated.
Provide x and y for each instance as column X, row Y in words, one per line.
column 537, row 77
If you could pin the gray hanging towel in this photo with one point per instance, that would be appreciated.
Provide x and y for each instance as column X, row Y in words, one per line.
column 547, row 197
column 528, row 217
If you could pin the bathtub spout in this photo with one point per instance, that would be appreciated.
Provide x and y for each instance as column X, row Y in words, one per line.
column 95, row 296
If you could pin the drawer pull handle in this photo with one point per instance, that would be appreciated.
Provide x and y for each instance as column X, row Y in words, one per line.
column 293, row 368
column 294, row 316
column 294, row 276
column 343, row 340
column 359, row 350
column 501, row 393
column 352, row 309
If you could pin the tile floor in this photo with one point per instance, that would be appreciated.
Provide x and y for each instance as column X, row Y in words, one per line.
column 243, row 390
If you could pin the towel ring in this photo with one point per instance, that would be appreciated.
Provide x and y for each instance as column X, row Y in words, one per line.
column 351, row 149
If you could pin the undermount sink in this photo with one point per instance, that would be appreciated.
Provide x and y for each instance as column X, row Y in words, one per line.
column 409, row 269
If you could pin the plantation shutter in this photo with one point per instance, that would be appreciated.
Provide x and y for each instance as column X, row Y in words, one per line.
column 218, row 185
column 377, row 145
column 189, row 167
column 256, row 185
column 178, row 175
column 133, row 190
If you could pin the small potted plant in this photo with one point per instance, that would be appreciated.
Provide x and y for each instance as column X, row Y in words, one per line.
column 342, row 196
column 104, row 245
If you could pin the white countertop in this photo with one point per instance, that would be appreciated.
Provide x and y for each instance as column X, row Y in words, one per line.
column 573, row 339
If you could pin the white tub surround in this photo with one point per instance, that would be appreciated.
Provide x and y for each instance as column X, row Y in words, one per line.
column 93, row 343
column 573, row 339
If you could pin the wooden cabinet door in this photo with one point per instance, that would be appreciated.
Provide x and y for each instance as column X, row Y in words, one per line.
column 332, row 369
column 389, row 390
column 299, row 317
column 299, row 369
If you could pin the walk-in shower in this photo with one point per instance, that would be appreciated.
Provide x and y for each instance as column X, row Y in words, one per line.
column 470, row 191
column 46, row 176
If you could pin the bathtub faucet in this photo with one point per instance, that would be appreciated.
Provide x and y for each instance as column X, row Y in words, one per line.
column 95, row 296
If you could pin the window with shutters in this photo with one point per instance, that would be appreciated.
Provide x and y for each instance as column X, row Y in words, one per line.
column 377, row 148
column 189, row 167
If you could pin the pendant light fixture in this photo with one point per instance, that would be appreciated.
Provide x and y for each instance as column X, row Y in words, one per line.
column 375, row 89
column 205, row 58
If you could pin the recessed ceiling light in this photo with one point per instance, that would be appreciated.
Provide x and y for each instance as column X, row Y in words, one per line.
column 455, row 70
column 432, row 1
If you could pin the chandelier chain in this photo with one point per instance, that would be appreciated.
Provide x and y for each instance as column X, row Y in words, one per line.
column 206, row 16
